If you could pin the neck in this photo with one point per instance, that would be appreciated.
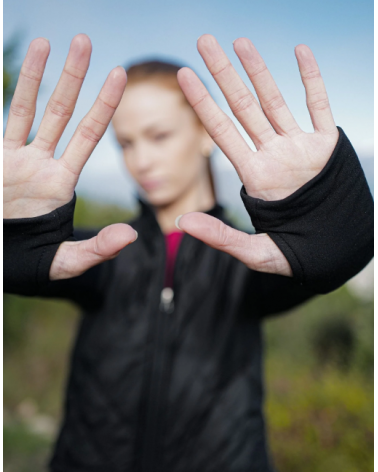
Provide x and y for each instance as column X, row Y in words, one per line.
column 198, row 198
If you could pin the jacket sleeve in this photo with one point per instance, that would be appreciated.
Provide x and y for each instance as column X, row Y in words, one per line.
column 324, row 229
column 30, row 245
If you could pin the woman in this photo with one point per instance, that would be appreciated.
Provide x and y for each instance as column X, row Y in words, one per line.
column 166, row 370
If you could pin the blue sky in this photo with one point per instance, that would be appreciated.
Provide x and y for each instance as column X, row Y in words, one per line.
column 339, row 32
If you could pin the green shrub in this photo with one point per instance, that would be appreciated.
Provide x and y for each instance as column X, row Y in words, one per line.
column 319, row 417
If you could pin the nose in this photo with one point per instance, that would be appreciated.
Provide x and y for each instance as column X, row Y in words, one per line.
column 143, row 157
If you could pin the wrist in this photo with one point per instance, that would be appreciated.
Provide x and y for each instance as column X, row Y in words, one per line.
column 24, row 208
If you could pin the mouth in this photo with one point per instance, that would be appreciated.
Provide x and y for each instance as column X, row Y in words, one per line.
column 151, row 184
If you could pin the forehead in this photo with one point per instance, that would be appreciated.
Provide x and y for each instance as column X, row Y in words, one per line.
column 146, row 103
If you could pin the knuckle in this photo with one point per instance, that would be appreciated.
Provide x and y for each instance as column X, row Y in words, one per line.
column 266, row 255
column 96, row 122
column 97, row 243
column 243, row 103
column 74, row 73
column 220, row 68
column 106, row 101
column 224, row 235
column 21, row 111
column 30, row 74
column 11, row 144
column 311, row 74
column 266, row 135
column 63, row 162
column 274, row 103
column 220, row 127
column 319, row 104
column 89, row 133
column 42, row 144
column 60, row 109
column 259, row 69
column 199, row 101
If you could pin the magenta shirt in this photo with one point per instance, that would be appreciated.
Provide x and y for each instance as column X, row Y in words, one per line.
column 172, row 243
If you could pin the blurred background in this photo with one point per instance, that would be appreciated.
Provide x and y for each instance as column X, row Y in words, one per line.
column 319, row 358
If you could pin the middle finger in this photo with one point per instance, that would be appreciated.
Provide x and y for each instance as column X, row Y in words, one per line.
column 270, row 97
column 242, row 102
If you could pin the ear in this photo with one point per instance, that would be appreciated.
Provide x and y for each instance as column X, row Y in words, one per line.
column 207, row 144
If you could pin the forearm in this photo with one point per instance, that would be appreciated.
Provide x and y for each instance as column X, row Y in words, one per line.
column 325, row 228
column 30, row 245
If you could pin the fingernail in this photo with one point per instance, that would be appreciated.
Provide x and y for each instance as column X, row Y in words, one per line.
column 177, row 222
column 234, row 40
column 47, row 39
column 136, row 235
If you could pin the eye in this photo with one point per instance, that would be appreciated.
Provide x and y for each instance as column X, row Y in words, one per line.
column 161, row 136
column 125, row 144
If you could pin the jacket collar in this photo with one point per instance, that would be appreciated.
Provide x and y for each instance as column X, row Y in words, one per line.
column 150, row 232
column 148, row 212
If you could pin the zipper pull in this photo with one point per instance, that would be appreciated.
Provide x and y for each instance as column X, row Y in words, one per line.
column 166, row 300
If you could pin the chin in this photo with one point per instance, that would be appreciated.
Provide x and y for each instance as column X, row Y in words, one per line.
column 160, row 198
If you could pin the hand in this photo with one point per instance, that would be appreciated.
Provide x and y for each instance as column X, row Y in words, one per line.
column 286, row 156
column 34, row 182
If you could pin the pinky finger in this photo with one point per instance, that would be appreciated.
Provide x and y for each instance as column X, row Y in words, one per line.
column 22, row 108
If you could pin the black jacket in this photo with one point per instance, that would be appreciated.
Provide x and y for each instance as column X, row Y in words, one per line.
column 177, row 386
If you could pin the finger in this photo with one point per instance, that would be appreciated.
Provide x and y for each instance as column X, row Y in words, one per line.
column 62, row 102
column 317, row 98
column 241, row 100
column 258, row 251
column 270, row 97
column 73, row 258
column 219, row 126
column 94, row 124
column 22, row 108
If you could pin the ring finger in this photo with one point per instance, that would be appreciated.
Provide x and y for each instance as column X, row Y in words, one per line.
column 270, row 97
column 241, row 100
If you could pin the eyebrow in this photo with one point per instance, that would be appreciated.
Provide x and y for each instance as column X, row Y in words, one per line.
column 148, row 129
column 152, row 128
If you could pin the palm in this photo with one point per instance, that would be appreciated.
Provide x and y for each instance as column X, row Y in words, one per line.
column 283, row 165
column 34, row 182
column 286, row 157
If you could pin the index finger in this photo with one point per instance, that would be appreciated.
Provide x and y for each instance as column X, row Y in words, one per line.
column 316, row 94
column 93, row 126
column 219, row 126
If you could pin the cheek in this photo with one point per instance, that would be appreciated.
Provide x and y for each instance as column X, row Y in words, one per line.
column 186, row 161
column 181, row 171
column 128, row 163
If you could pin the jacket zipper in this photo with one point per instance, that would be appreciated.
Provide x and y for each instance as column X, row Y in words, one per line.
column 167, row 304
column 151, row 459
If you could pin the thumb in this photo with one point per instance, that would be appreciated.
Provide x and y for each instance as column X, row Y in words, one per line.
column 73, row 258
column 257, row 251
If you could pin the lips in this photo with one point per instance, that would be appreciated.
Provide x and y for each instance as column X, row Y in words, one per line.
column 151, row 184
